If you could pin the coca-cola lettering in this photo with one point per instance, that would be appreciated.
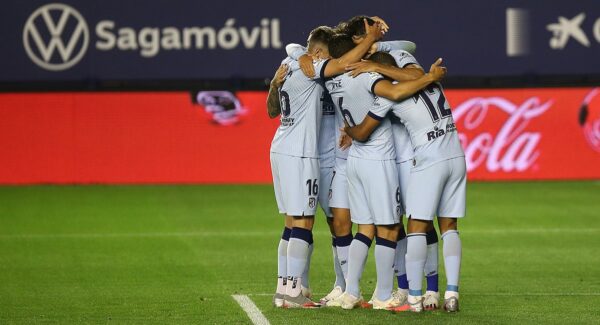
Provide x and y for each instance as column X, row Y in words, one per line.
column 512, row 148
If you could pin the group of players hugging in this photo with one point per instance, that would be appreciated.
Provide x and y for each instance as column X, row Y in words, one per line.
column 369, row 136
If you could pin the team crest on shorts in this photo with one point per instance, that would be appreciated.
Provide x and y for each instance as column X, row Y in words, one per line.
column 399, row 210
column 312, row 202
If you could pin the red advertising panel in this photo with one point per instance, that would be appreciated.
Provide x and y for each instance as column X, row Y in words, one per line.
column 166, row 137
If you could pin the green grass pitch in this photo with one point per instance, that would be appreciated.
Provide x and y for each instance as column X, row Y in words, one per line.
column 176, row 254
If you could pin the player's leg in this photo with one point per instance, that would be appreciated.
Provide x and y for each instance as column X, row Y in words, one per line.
column 432, row 296
column 340, row 209
column 400, row 265
column 278, row 298
column 385, row 255
column 359, row 248
column 324, row 192
column 301, row 203
column 358, row 252
column 422, row 199
column 380, row 182
column 452, row 206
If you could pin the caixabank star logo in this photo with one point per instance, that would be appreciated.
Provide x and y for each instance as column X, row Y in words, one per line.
column 56, row 36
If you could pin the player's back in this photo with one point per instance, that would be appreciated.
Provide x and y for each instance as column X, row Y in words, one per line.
column 429, row 123
column 353, row 98
column 300, row 119
column 327, row 131
column 402, row 144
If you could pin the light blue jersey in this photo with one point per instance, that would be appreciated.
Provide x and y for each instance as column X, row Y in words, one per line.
column 353, row 99
column 301, row 111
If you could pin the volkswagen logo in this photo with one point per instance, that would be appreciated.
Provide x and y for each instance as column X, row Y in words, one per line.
column 55, row 36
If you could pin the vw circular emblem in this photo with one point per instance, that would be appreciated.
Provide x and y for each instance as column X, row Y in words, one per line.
column 56, row 36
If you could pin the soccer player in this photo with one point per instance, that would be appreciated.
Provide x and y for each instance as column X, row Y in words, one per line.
column 405, row 62
column 437, row 184
column 294, row 158
column 372, row 178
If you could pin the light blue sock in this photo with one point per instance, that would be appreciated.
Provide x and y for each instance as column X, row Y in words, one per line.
column 452, row 256
column 359, row 249
column 416, row 253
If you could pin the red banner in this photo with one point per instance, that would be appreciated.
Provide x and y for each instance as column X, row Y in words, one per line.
column 165, row 137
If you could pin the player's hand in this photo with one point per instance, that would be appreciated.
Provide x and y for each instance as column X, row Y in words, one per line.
column 437, row 71
column 375, row 31
column 345, row 140
column 373, row 49
column 361, row 67
column 306, row 65
column 384, row 26
column 279, row 77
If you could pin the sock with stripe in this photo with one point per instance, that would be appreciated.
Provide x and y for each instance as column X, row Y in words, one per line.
column 297, row 256
column 282, row 260
column 339, row 275
column 385, row 254
column 357, row 257
column 452, row 256
column 431, row 263
column 400, row 265
column 416, row 253
column 306, row 271
column 342, row 244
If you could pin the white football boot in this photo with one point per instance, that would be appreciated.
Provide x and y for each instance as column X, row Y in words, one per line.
column 348, row 301
column 431, row 300
column 451, row 301
column 336, row 292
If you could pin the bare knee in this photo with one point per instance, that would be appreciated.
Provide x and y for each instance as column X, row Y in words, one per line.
column 389, row 232
column 447, row 224
column 417, row 226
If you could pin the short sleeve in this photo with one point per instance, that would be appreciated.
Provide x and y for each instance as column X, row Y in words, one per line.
column 381, row 107
column 373, row 79
column 319, row 66
column 295, row 51
column 403, row 58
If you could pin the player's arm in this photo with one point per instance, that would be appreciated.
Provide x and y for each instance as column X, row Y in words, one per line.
column 410, row 72
column 335, row 67
column 362, row 131
column 299, row 53
column 389, row 46
column 397, row 92
column 273, row 102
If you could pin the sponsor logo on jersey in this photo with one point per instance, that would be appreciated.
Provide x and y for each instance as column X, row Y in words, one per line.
column 437, row 132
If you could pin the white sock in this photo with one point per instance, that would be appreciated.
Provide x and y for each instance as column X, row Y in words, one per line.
column 416, row 253
column 400, row 263
column 452, row 255
column 343, row 250
column 339, row 274
column 359, row 249
column 282, row 261
column 385, row 254
column 431, row 263
column 306, row 271
column 297, row 257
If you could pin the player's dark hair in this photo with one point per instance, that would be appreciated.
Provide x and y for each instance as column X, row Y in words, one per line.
column 383, row 58
column 339, row 45
column 355, row 26
column 321, row 34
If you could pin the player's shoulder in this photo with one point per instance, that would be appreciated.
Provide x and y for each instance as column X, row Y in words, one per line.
column 369, row 76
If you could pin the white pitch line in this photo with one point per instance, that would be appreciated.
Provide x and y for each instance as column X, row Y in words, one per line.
column 256, row 316
column 505, row 231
